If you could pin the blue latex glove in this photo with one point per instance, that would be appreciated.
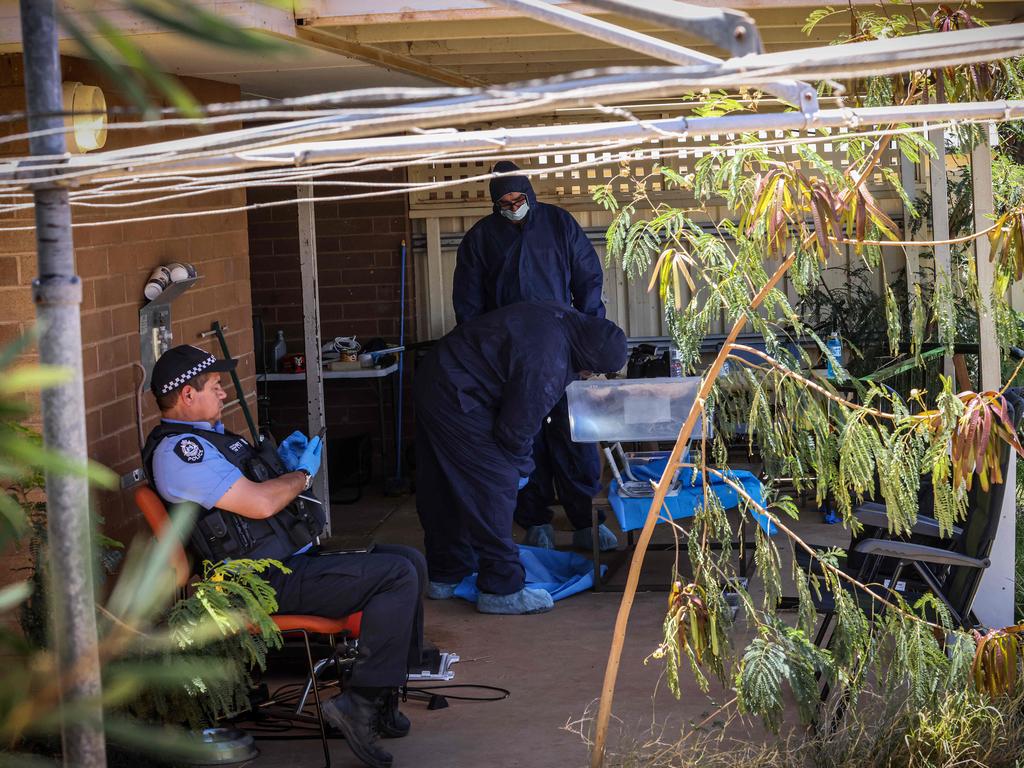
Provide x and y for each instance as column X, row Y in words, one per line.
column 291, row 448
column 309, row 460
column 522, row 483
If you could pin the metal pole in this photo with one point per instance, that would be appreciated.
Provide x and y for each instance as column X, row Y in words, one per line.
column 801, row 95
column 57, row 293
column 316, row 413
column 401, row 369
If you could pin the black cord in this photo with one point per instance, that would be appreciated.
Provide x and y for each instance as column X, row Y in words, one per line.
column 424, row 690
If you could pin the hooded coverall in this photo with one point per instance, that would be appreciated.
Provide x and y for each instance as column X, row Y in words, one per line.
column 480, row 396
column 546, row 257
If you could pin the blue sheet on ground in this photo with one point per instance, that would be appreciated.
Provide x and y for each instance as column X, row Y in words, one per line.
column 632, row 512
column 561, row 574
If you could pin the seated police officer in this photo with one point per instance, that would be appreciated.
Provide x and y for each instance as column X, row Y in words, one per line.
column 257, row 503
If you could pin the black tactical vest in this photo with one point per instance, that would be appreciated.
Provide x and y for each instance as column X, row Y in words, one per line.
column 219, row 534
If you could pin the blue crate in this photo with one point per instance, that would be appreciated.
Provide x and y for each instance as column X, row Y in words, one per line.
column 632, row 512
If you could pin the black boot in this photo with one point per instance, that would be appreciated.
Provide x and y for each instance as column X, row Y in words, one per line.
column 392, row 724
column 356, row 716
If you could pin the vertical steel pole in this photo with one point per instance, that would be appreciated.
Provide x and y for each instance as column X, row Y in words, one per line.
column 316, row 413
column 57, row 292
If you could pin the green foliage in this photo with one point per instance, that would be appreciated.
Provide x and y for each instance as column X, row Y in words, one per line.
column 226, row 617
column 875, row 445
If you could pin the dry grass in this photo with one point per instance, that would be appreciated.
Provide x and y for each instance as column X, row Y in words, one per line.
column 963, row 729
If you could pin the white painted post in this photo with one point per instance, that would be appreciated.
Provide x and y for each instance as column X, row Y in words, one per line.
column 435, row 279
column 908, row 178
column 994, row 603
column 317, row 418
column 940, row 218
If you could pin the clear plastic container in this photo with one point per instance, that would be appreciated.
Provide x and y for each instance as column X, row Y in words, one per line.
column 631, row 409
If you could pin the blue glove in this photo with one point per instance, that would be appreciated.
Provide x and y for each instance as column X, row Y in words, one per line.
column 291, row 448
column 310, row 458
column 522, row 483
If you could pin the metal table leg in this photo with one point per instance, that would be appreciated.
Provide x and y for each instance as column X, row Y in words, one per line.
column 380, row 421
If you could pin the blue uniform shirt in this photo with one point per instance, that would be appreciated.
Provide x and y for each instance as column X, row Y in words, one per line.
column 188, row 468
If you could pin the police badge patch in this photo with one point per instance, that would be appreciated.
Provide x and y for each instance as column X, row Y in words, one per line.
column 189, row 450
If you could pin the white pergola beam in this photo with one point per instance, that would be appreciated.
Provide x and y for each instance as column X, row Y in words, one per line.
column 97, row 165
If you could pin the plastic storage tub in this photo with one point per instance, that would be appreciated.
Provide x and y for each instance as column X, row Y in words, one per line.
column 631, row 409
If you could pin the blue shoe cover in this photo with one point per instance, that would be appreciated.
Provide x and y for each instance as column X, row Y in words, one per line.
column 542, row 536
column 526, row 600
column 438, row 590
column 584, row 539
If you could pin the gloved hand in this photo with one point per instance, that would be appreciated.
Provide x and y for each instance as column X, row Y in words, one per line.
column 309, row 460
column 522, row 483
column 291, row 448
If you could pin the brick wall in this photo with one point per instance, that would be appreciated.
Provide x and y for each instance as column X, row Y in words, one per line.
column 359, row 266
column 114, row 261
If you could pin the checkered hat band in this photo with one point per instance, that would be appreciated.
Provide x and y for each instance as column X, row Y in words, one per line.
column 188, row 375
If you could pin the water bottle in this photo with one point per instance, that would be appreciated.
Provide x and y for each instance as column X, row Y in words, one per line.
column 675, row 363
column 835, row 347
column 280, row 350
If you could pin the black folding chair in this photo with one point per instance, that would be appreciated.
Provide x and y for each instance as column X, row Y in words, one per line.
column 951, row 569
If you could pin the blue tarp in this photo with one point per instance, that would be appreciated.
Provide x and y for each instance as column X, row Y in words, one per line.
column 632, row 512
column 562, row 574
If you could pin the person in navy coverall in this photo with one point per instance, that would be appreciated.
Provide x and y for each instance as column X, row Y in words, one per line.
column 531, row 251
column 480, row 397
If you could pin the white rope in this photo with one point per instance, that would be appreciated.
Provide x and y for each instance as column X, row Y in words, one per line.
column 391, row 188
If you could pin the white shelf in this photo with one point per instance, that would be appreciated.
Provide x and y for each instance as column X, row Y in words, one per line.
column 359, row 373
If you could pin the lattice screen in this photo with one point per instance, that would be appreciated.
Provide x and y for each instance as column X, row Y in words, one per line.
column 577, row 185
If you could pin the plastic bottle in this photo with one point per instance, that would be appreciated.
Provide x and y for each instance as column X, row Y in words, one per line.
column 280, row 350
column 675, row 363
column 835, row 346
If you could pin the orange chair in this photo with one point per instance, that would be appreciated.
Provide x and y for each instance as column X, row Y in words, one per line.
column 347, row 627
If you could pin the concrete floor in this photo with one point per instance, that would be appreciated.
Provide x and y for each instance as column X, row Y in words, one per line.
column 553, row 665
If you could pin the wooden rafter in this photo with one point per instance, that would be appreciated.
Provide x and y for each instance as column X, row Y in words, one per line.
column 339, row 44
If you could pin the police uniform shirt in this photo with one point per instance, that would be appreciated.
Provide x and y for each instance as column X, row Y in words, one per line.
column 188, row 468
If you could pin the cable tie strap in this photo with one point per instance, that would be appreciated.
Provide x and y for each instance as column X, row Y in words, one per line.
column 57, row 289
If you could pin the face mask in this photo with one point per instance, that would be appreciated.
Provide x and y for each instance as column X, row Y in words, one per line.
column 519, row 214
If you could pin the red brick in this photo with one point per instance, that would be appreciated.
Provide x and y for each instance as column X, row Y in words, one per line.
column 91, row 262
column 110, row 291
column 9, row 272
column 95, row 325
column 113, row 353
column 9, row 332
column 117, row 415
column 90, row 361
column 124, row 320
column 360, row 277
column 16, row 305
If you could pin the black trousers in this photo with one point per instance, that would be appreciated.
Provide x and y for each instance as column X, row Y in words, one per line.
column 387, row 585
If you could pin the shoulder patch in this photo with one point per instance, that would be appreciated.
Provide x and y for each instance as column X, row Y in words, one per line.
column 189, row 450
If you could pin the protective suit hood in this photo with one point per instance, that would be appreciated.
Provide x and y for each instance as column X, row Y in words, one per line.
column 501, row 186
column 597, row 345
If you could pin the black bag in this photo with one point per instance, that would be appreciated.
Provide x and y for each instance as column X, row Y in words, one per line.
column 645, row 363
